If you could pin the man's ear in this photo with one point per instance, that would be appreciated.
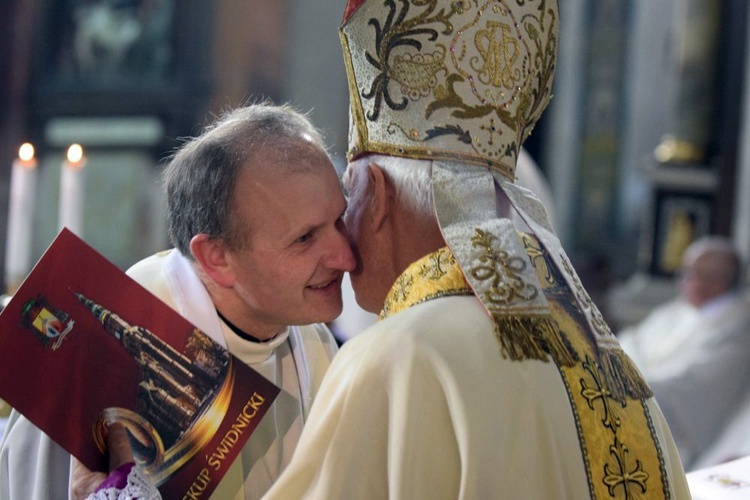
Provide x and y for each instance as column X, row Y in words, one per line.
column 211, row 255
column 383, row 194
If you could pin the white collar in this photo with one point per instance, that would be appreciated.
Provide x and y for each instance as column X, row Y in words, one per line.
column 252, row 352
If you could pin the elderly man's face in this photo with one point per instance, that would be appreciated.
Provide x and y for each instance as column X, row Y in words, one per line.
column 290, row 272
column 701, row 279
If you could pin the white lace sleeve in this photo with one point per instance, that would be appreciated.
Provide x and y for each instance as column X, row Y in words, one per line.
column 137, row 488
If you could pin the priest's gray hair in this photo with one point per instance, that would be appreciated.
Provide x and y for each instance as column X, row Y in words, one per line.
column 200, row 178
column 411, row 179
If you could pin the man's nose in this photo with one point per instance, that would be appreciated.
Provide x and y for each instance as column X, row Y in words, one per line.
column 340, row 255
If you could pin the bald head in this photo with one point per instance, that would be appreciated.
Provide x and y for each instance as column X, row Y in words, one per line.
column 711, row 267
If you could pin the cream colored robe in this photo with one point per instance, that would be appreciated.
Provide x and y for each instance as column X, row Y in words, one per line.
column 424, row 406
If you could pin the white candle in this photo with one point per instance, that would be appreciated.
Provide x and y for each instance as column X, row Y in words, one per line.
column 71, row 190
column 20, row 218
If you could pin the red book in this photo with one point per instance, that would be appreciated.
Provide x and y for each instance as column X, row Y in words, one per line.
column 82, row 345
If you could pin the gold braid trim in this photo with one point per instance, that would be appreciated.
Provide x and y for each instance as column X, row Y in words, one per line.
column 533, row 337
column 623, row 378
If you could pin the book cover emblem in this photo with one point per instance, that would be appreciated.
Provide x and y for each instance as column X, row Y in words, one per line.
column 51, row 325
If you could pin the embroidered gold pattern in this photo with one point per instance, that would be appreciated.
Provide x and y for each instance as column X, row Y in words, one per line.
column 623, row 377
column 426, row 77
column 417, row 73
column 523, row 326
column 600, row 391
column 433, row 276
column 536, row 256
column 396, row 31
column 436, row 265
column 503, row 270
column 401, row 287
column 620, row 476
column 499, row 51
column 621, row 460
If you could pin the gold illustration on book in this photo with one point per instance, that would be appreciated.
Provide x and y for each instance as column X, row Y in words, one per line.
column 182, row 396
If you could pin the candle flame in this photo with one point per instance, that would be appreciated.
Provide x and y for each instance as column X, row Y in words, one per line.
column 75, row 153
column 26, row 152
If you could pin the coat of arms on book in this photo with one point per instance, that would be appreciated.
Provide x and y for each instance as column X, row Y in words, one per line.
column 50, row 324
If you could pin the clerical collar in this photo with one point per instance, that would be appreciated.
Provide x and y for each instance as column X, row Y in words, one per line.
column 240, row 333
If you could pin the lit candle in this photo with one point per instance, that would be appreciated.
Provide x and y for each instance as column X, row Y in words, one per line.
column 71, row 190
column 20, row 218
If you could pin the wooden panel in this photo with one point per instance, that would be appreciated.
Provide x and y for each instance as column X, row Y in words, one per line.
column 248, row 55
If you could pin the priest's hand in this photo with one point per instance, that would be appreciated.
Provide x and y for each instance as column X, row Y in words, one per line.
column 84, row 482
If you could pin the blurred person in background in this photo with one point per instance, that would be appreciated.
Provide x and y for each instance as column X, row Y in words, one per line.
column 694, row 351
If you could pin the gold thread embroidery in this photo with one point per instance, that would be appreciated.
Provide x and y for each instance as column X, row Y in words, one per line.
column 417, row 73
column 469, row 61
column 536, row 256
column 433, row 276
column 500, row 51
column 433, row 269
column 608, row 399
column 614, row 469
column 599, row 391
column 503, row 270
column 621, row 475
column 525, row 332
column 401, row 287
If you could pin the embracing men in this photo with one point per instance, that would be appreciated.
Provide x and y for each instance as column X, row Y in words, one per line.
column 491, row 373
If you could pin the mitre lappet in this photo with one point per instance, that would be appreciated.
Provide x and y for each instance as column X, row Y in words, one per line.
column 462, row 83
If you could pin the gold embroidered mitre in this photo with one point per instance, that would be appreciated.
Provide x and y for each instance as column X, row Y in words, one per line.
column 462, row 80
column 462, row 83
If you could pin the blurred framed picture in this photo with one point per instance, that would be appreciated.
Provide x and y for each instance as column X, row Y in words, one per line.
column 680, row 218
column 117, row 58
column 112, row 43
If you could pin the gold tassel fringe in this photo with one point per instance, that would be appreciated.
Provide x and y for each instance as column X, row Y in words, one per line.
column 623, row 378
column 533, row 337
